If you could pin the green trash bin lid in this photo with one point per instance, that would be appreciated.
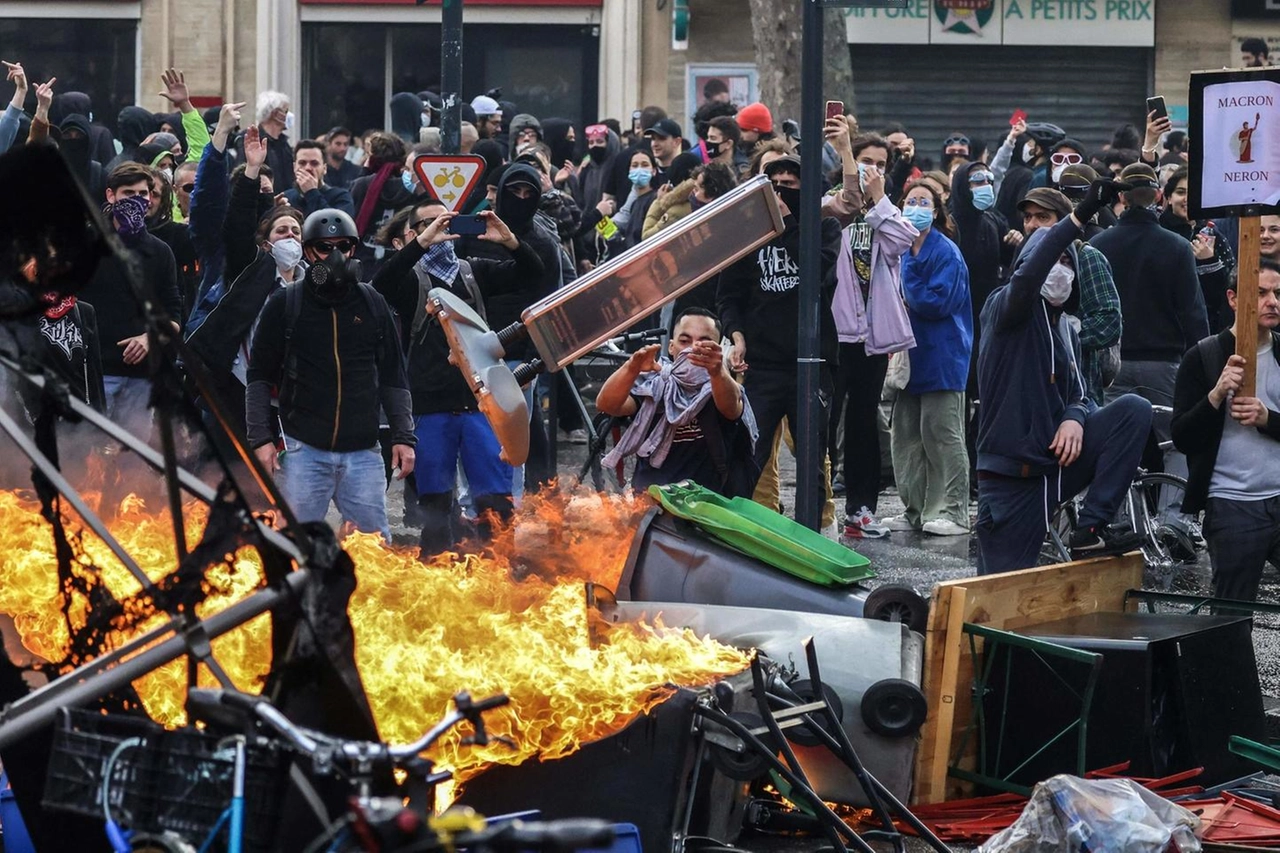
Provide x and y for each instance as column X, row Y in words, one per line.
column 759, row 532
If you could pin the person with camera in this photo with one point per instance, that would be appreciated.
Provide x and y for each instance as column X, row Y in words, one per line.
column 329, row 349
column 447, row 420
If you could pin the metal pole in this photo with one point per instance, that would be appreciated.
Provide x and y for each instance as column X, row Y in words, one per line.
column 451, row 76
column 39, row 712
column 809, row 444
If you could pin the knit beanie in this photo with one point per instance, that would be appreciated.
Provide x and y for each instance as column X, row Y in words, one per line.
column 755, row 117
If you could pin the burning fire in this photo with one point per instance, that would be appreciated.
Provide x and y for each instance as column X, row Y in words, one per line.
column 423, row 632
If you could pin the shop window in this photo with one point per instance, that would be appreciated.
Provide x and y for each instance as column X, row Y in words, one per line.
column 98, row 57
column 344, row 76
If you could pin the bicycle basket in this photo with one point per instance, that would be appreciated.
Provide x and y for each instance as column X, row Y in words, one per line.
column 162, row 780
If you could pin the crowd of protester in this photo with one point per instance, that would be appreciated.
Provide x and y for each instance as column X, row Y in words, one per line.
column 1021, row 308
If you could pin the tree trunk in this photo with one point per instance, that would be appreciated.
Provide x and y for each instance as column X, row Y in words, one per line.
column 837, row 70
column 776, row 25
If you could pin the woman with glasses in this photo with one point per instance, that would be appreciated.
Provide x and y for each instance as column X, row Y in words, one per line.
column 927, row 427
column 1214, row 258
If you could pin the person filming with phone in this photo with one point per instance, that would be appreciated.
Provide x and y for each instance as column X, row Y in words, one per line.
column 446, row 420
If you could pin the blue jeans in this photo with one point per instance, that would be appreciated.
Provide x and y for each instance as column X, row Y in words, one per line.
column 517, row 471
column 127, row 398
column 309, row 478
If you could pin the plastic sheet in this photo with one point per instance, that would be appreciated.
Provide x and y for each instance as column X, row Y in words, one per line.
column 1068, row 814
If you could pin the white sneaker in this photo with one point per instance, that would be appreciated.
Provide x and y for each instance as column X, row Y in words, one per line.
column 897, row 522
column 944, row 527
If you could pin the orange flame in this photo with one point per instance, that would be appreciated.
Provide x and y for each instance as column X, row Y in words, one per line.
column 423, row 632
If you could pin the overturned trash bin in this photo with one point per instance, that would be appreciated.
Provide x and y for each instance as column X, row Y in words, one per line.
column 701, row 548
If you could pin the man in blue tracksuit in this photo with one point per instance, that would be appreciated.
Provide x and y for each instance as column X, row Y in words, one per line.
column 1040, row 441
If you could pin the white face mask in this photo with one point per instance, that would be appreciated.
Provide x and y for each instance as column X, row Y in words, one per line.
column 1057, row 172
column 1056, row 289
column 168, row 174
column 287, row 253
column 1028, row 151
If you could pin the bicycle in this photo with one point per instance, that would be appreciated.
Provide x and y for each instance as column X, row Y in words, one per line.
column 1170, row 541
column 164, row 785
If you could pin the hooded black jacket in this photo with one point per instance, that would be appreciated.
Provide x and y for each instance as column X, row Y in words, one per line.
column 133, row 125
column 342, row 375
column 406, row 116
column 438, row 386
column 980, row 236
column 503, row 309
column 759, row 295
column 119, row 313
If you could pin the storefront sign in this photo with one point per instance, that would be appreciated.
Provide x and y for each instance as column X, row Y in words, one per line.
column 1235, row 143
column 1013, row 22
column 595, row 3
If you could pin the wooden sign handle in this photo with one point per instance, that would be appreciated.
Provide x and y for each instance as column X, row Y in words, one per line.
column 1247, row 301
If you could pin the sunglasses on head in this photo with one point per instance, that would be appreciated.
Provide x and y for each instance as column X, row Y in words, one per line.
column 956, row 140
column 326, row 247
column 1064, row 158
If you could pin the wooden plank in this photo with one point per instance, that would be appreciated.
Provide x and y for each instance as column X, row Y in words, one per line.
column 1247, row 300
column 935, row 745
column 1009, row 601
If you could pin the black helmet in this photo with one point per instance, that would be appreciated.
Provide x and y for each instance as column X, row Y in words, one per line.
column 1045, row 135
column 328, row 224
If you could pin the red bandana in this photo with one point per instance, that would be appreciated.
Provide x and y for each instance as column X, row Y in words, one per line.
column 58, row 307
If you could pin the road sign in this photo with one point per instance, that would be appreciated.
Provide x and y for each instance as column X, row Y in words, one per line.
column 450, row 178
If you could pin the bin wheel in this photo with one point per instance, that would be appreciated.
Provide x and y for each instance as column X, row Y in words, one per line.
column 748, row 765
column 894, row 707
column 802, row 735
column 897, row 603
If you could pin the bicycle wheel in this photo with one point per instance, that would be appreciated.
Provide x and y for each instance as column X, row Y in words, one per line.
column 1170, row 539
column 1055, row 548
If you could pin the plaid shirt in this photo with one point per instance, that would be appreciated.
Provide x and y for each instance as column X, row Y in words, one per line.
column 1099, row 312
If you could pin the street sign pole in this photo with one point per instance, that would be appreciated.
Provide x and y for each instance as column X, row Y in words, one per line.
column 451, row 76
column 809, row 444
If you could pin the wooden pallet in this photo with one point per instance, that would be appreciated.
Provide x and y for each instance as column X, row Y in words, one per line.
column 1009, row 602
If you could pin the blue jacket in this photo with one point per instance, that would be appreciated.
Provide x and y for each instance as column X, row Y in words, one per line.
column 320, row 198
column 204, row 222
column 1028, row 365
column 935, row 285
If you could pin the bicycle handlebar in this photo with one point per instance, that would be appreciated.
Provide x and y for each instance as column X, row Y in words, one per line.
column 206, row 702
column 567, row 834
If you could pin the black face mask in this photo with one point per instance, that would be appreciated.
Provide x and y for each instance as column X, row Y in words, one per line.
column 598, row 153
column 790, row 197
column 517, row 212
column 713, row 149
column 331, row 279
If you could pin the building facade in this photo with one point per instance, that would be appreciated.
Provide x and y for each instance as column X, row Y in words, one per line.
column 942, row 65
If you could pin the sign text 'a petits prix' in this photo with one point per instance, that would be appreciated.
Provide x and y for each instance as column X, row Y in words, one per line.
column 1101, row 23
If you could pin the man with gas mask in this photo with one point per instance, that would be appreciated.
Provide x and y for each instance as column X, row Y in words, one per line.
column 1040, row 440
column 328, row 347
column 448, row 424
column 758, row 300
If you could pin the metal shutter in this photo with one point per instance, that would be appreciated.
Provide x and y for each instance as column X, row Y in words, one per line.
column 936, row 89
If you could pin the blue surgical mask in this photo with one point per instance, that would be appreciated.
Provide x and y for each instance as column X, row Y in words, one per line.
column 920, row 217
column 406, row 178
column 984, row 196
column 640, row 177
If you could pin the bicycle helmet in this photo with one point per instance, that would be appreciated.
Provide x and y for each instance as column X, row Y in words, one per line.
column 1045, row 135
column 328, row 224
